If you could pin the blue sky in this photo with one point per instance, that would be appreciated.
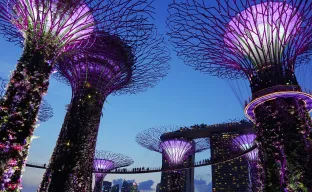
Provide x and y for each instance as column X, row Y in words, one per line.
column 184, row 97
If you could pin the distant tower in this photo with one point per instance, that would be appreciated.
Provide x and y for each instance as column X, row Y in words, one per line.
column 176, row 152
column 262, row 41
column 245, row 142
column 231, row 175
column 115, row 188
column 125, row 186
column 107, row 186
column 105, row 161
column 127, row 57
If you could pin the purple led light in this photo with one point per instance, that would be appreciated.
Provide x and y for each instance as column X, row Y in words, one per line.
column 245, row 142
column 250, row 108
column 262, row 31
column 103, row 164
column 64, row 25
column 176, row 150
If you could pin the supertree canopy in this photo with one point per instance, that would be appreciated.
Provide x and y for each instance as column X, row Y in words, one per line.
column 245, row 142
column 45, row 29
column 175, row 150
column 262, row 41
column 105, row 161
column 128, row 62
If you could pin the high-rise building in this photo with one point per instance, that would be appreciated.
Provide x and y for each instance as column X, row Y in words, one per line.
column 158, row 187
column 107, row 186
column 231, row 176
column 182, row 180
column 115, row 188
column 125, row 186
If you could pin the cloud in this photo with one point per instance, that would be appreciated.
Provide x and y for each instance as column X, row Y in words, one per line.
column 146, row 185
column 202, row 186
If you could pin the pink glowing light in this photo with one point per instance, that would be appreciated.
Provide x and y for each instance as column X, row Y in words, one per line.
column 245, row 142
column 46, row 17
column 176, row 150
column 263, row 31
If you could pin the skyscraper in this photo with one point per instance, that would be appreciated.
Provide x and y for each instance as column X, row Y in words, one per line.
column 182, row 180
column 115, row 188
column 107, row 186
column 231, row 176
column 125, row 186
column 158, row 187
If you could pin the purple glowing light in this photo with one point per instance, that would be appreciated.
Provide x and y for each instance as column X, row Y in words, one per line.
column 103, row 164
column 245, row 142
column 176, row 150
column 46, row 17
column 250, row 108
column 262, row 31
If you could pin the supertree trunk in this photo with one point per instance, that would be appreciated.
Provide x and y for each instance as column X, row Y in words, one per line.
column 282, row 128
column 255, row 185
column 18, row 111
column 99, row 178
column 71, row 164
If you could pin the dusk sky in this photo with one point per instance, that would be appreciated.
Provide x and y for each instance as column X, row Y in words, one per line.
column 184, row 97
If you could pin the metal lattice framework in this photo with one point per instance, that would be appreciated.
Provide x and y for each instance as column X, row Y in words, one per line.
column 116, row 66
column 45, row 112
column 150, row 139
column 262, row 41
column 236, row 39
column 105, row 161
column 175, row 150
column 47, row 29
column 118, row 160
column 126, row 62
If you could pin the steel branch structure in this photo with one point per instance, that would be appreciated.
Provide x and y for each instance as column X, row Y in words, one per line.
column 243, row 143
column 114, row 64
column 105, row 161
column 47, row 29
column 262, row 41
column 176, row 152
column 151, row 139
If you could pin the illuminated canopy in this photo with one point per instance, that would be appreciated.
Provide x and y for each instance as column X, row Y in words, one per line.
column 245, row 142
column 262, row 31
column 103, row 164
column 176, row 150
column 53, row 19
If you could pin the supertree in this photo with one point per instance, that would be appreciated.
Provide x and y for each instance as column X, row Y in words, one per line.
column 46, row 29
column 262, row 41
column 105, row 161
column 128, row 62
column 175, row 152
column 45, row 110
column 245, row 142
